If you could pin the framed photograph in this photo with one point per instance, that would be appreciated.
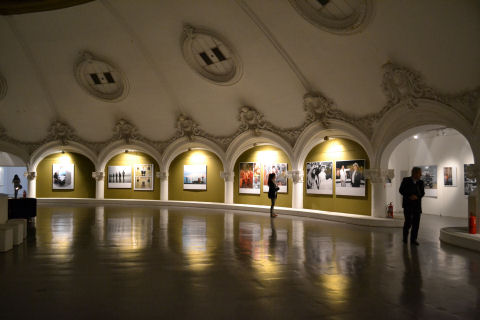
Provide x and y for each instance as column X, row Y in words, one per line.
column 249, row 178
column 469, row 183
column 63, row 176
column 319, row 177
column 143, row 177
column 280, row 170
column 119, row 177
column 195, row 177
column 429, row 177
column 349, row 178
column 450, row 176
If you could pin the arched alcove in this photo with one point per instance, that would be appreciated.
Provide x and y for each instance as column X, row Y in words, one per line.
column 137, row 182
column 442, row 153
column 262, row 155
column 332, row 151
column 65, row 175
column 11, row 165
column 180, row 184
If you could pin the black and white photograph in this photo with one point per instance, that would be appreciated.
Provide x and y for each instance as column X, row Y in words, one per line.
column 143, row 177
column 349, row 178
column 195, row 177
column 450, row 176
column 119, row 177
column 63, row 176
column 280, row 170
column 319, row 177
column 429, row 178
column 469, row 183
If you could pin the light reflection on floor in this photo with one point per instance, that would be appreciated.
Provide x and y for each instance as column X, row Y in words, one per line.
column 182, row 263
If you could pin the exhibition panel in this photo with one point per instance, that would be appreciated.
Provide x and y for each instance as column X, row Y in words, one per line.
column 334, row 178
column 251, row 170
column 65, row 175
column 195, row 176
column 131, row 175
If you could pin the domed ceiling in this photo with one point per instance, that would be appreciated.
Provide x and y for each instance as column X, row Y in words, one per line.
column 150, row 61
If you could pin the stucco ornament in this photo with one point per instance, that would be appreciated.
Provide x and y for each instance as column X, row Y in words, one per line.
column 98, row 175
column 251, row 119
column 186, row 127
column 317, row 107
column 60, row 131
column 402, row 85
column 125, row 130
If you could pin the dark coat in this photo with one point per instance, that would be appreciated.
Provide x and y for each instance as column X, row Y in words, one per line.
column 357, row 179
column 272, row 190
column 408, row 188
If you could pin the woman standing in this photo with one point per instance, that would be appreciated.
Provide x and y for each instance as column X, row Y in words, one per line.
column 16, row 185
column 272, row 192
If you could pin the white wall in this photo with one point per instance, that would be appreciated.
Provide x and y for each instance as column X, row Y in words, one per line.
column 451, row 150
column 6, row 176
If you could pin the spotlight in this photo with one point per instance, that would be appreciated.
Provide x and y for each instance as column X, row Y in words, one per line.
column 63, row 151
column 326, row 138
column 126, row 150
column 415, row 137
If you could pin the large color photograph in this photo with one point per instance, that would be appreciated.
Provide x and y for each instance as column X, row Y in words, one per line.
column 349, row 176
column 249, row 178
column 450, row 176
column 469, row 182
column 280, row 170
column 143, row 177
column 119, row 177
column 63, row 176
column 195, row 177
column 429, row 178
column 319, row 177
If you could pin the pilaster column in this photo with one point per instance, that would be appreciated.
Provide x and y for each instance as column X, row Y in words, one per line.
column 100, row 186
column 377, row 179
column 297, row 186
column 163, row 185
column 228, row 177
column 32, row 183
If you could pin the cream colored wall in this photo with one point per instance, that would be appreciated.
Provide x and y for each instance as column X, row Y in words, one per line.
column 215, row 184
column 84, row 184
column 333, row 150
column 130, row 159
column 262, row 154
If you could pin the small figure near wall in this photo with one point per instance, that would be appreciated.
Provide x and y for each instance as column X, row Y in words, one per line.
column 16, row 185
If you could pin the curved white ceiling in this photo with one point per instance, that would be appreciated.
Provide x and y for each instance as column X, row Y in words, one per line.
column 437, row 38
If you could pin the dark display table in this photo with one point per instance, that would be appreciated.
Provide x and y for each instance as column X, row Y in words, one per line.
column 22, row 208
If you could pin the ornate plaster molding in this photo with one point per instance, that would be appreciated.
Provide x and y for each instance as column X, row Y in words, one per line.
column 379, row 175
column 296, row 175
column 3, row 87
column 227, row 176
column 98, row 175
column 30, row 175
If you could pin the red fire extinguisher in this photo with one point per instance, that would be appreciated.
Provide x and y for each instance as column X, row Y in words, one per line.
column 24, row 194
column 472, row 225
column 390, row 210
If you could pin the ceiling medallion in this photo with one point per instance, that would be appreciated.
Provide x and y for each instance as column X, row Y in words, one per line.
column 3, row 87
column 211, row 56
column 100, row 78
column 336, row 16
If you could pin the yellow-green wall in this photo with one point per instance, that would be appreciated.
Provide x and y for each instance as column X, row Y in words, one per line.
column 333, row 150
column 262, row 155
column 84, row 184
column 215, row 184
column 130, row 159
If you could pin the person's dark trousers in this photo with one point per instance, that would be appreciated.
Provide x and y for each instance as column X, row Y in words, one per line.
column 273, row 204
column 412, row 220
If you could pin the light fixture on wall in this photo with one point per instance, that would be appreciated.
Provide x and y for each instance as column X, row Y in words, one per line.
column 415, row 137
column 326, row 138
column 63, row 151
column 126, row 150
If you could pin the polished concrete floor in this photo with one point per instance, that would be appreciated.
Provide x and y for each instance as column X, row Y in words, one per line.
column 150, row 263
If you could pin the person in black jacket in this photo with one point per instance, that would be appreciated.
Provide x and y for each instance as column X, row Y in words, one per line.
column 412, row 190
column 272, row 192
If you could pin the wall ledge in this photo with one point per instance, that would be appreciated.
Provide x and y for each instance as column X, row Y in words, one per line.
column 304, row 213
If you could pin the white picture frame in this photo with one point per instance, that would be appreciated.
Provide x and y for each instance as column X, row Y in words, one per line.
column 63, row 176
column 348, row 181
column 195, row 177
column 143, row 177
column 119, row 177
